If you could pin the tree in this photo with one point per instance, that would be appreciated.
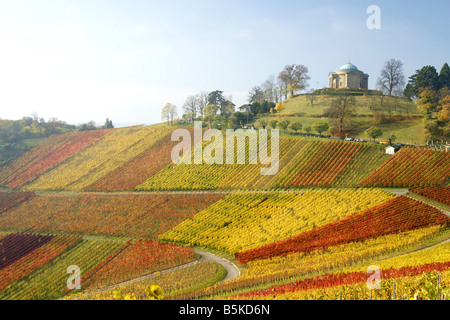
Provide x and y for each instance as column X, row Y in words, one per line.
column 373, row 132
column 294, row 78
column 255, row 107
column 284, row 124
column 256, row 94
column 261, row 108
column 210, row 110
column 391, row 77
column 216, row 97
column 409, row 91
column 392, row 139
column 202, row 102
column 435, row 107
column 426, row 77
column 83, row 127
column 296, row 126
column 427, row 102
column 341, row 110
column 443, row 109
column 312, row 97
column 268, row 88
column 263, row 123
column 190, row 107
column 320, row 127
column 108, row 124
column 169, row 112
column 280, row 106
column 308, row 129
column 444, row 76
column 273, row 123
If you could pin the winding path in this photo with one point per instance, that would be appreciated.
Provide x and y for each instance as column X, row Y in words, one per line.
column 232, row 272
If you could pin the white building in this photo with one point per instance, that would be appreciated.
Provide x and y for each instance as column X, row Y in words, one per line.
column 348, row 76
column 390, row 150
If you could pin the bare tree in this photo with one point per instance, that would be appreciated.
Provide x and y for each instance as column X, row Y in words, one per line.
column 391, row 77
column 190, row 107
column 294, row 77
column 341, row 111
column 268, row 88
column 256, row 94
column 312, row 97
column 202, row 101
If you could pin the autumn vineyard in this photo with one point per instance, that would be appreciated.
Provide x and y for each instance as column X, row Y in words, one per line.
column 113, row 203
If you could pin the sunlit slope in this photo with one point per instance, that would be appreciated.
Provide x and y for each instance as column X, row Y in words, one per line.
column 411, row 167
column 242, row 221
column 303, row 162
column 100, row 158
column 46, row 155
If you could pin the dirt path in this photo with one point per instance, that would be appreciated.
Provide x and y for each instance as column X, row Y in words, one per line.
column 232, row 272
column 447, row 213
column 398, row 192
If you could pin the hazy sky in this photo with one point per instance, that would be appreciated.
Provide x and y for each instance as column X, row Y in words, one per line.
column 124, row 59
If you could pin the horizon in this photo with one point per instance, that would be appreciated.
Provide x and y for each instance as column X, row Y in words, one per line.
column 80, row 61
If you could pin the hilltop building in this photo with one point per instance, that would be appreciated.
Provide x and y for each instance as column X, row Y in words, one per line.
column 348, row 76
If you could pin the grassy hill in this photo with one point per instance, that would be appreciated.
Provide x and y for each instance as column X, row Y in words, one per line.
column 366, row 104
column 396, row 115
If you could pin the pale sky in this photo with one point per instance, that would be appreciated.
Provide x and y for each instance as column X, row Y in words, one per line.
column 124, row 59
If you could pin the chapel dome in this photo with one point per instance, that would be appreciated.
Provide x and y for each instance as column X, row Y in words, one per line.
column 349, row 66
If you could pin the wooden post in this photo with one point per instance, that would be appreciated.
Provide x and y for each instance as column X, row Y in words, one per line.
column 394, row 289
column 438, row 284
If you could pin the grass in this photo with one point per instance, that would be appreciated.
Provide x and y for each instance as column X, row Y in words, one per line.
column 401, row 128
column 365, row 105
column 407, row 125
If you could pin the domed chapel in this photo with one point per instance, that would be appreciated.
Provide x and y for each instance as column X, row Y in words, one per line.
column 348, row 76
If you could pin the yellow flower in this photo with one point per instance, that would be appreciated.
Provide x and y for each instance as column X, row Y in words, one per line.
column 154, row 292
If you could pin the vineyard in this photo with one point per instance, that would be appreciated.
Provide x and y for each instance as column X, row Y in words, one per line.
column 397, row 215
column 139, row 158
column 25, row 172
column 261, row 218
column 439, row 194
column 411, row 167
column 137, row 215
column 112, row 203
column 10, row 199
column 302, row 163
column 100, row 158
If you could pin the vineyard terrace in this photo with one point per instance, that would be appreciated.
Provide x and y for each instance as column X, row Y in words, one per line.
column 213, row 152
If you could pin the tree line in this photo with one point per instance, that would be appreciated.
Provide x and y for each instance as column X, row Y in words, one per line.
column 218, row 111
column 30, row 127
column 426, row 87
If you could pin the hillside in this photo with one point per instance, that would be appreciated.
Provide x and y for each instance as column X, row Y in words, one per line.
column 139, row 158
column 113, row 203
column 366, row 104
column 400, row 115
